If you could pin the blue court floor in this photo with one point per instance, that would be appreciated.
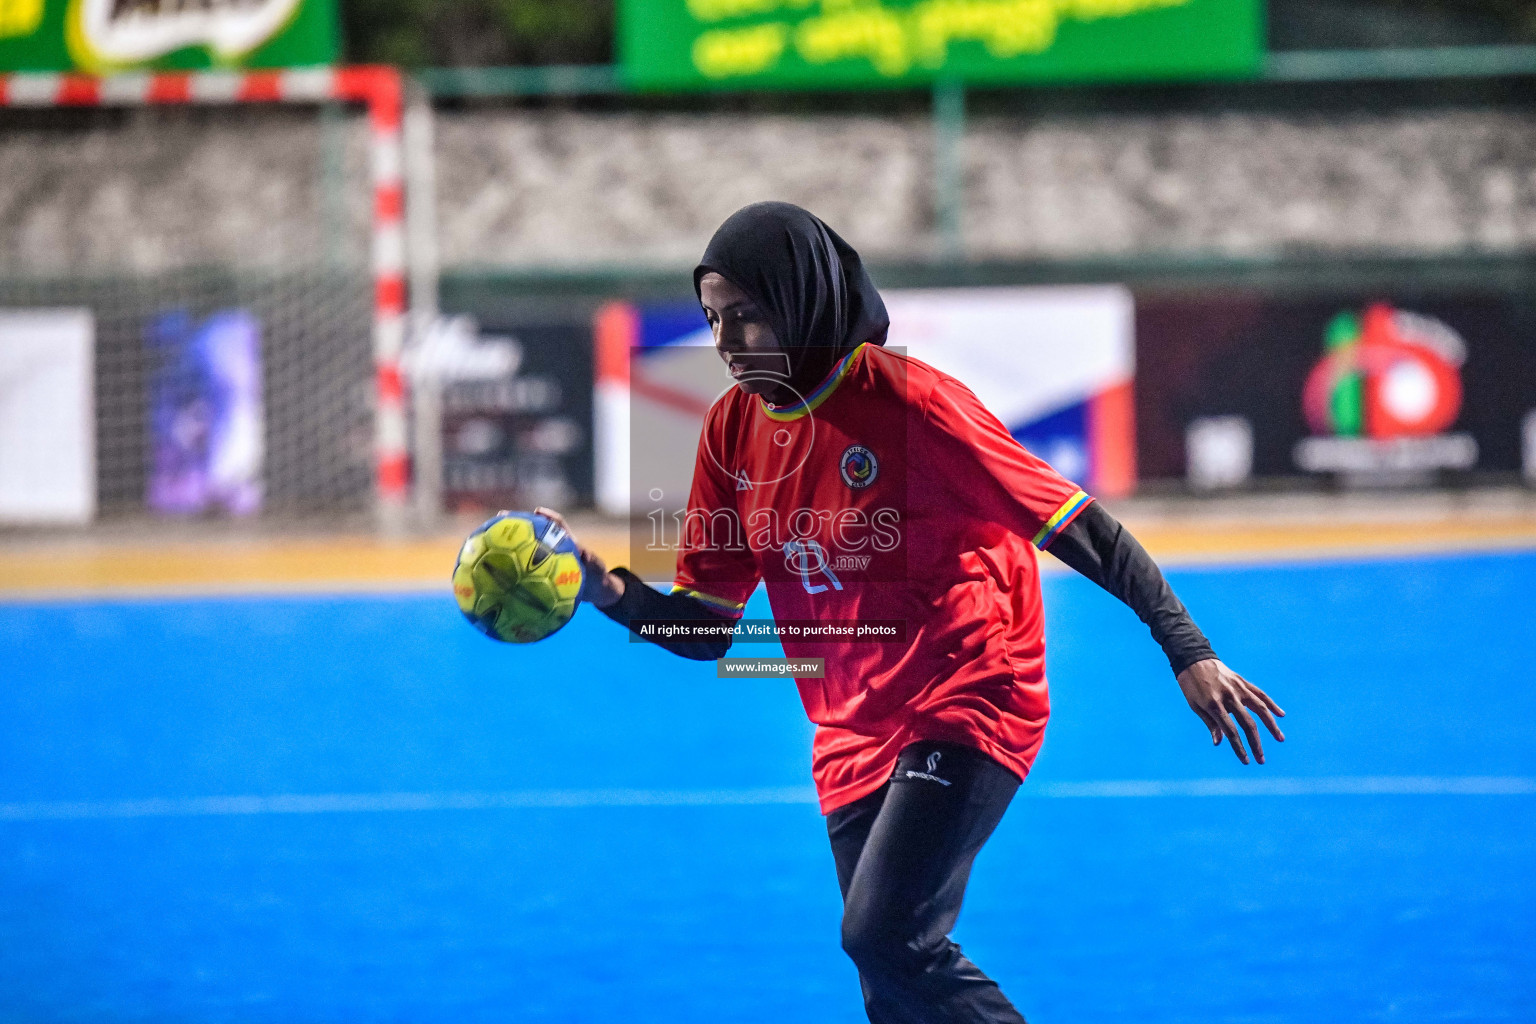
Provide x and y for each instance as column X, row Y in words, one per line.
column 356, row 808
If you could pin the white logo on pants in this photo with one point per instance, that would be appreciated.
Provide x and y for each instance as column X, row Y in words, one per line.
column 933, row 764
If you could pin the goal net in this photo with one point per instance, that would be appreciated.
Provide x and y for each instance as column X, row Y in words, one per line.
column 235, row 242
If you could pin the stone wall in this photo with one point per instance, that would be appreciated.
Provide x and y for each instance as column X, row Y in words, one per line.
column 156, row 190
column 574, row 189
column 521, row 189
column 1430, row 182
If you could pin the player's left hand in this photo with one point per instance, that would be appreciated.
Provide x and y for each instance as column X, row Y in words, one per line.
column 1218, row 695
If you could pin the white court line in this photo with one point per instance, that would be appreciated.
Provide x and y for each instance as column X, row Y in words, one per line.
column 347, row 803
column 1345, row 785
column 351, row 803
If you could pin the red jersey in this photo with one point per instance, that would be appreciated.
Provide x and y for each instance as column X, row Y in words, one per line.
column 888, row 494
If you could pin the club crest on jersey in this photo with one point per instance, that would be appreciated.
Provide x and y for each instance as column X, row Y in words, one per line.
column 858, row 467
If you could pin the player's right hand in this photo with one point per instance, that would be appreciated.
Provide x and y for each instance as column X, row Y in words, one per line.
column 598, row 586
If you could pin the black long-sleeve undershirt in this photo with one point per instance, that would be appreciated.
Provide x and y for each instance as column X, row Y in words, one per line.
column 1100, row 548
column 643, row 602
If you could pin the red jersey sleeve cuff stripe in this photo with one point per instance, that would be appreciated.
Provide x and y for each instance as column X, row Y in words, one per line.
column 1058, row 522
column 717, row 603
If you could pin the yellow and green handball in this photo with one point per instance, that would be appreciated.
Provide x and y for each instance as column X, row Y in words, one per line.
column 518, row 577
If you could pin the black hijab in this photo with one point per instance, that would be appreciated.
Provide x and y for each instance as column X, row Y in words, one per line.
column 810, row 284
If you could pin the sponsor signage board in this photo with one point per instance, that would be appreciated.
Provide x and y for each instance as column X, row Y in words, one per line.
column 1366, row 389
column 515, row 397
column 112, row 36
column 805, row 44
column 47, row 416
column 207, row 418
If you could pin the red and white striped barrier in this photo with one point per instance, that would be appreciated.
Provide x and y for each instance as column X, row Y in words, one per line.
column 377, row 88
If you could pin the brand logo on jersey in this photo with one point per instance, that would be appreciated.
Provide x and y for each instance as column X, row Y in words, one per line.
column 858, row 467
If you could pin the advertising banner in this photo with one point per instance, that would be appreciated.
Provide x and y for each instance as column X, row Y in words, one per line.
column 47, row 416
column 206, row 419
column 1358, row 389
column 516, row 406
column 805, row 44
column 111, row 36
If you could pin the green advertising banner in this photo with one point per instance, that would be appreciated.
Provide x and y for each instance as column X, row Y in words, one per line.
column 108, row 36
column 831, row 44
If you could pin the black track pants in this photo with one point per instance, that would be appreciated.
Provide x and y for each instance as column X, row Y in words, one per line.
column 903, row 856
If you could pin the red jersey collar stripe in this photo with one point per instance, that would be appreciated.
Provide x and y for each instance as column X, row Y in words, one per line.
column 823, row 391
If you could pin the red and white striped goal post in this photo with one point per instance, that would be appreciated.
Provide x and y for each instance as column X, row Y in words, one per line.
column 377, row 88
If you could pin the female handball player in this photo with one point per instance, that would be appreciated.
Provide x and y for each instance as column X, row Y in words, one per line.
column 864, row 487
